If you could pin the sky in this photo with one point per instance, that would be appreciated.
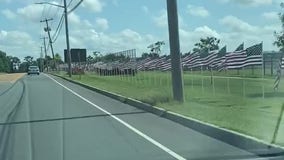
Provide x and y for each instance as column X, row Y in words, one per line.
column 115, row 25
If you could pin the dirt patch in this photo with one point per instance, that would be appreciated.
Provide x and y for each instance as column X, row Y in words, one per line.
column 11, row 77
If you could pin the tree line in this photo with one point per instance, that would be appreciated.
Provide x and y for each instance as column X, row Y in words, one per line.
column 12, row 64
column 6, row 62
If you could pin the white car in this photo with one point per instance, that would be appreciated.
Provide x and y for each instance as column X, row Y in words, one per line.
column 33, row 70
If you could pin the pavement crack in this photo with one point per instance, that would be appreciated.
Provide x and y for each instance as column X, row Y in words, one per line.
column 69, row 118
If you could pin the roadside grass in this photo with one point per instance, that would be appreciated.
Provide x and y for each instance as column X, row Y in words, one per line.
column 246, row 105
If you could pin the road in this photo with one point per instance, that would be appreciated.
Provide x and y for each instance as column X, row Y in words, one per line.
column 47, row 118
column 4, row 86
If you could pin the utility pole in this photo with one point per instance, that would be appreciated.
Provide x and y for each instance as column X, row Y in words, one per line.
column 177, row 82
column 66, row 28
column 45, row 52
column 41, row 59
column 67, row 39
column 47, row 29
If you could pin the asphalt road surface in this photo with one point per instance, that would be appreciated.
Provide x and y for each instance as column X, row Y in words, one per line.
column 4, row 86
column 47, row 118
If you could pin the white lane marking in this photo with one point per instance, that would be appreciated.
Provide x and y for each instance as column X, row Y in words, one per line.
column 164, row 148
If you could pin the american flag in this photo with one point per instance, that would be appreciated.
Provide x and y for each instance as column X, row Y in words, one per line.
column 239, row 59
column 208, row 60
column 220, row 58
column 282, row 63
column 140, row 64
column 151, row 65
column 234, row 60
column 195, row 60
column 166, row 65
column 192, row 62
column 240, row 47
column 254, row 54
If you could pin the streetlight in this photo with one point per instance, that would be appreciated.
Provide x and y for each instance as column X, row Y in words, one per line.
column 66, row 30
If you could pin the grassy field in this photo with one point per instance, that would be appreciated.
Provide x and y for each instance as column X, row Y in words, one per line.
column 246, row 105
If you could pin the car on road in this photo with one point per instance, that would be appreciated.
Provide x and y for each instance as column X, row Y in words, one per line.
column 33, row 70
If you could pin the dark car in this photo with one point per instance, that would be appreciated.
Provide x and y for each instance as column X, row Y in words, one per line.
column 33, row 70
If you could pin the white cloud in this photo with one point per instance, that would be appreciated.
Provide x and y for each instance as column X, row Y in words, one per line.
column 270, row 15
column 253, row 3
column 199, row 11
column 237, row 31
column 145, row 9
column 162, row 19
column 189, row 37
column 31, row 12
column 74, row 18
column 205, row 31
column 87, row 23
column 102, row 24
column 8, row 14
column 237, row 25
column 131, row 35
column 93, row 5
column 35, row 12
column 18, row 43
column 106, row 43
column 241, row 31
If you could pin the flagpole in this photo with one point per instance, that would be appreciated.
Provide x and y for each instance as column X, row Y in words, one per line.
column 262, row 70
column 212, row 82
column 228, row 83
column 202, row 78
column 244, row 88
column 277, row 125
column 191, row 79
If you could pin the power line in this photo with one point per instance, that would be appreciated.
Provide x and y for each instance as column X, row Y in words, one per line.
column 77, row 5
column 42, row 13
column 55, row 14
column 69, row 3
column 47, row 29
column 58, row 29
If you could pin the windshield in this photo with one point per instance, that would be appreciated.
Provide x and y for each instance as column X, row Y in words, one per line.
column 33, row 67
column 133, row 79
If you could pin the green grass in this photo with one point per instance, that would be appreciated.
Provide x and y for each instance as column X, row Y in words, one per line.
column 234, row 103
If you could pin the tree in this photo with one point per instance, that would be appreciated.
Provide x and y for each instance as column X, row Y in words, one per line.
column 58, row 59
column 90, row 59
column 23, row 67
column 144, row 55
column 14, row 63
column 154, row 55
column 156, row 47
column 280, row 35
column 40, row 62
column 4, row 62
column 206, row 44
column 28, row 62
column 97, row 56
column 29, row 59
column 47, row 61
